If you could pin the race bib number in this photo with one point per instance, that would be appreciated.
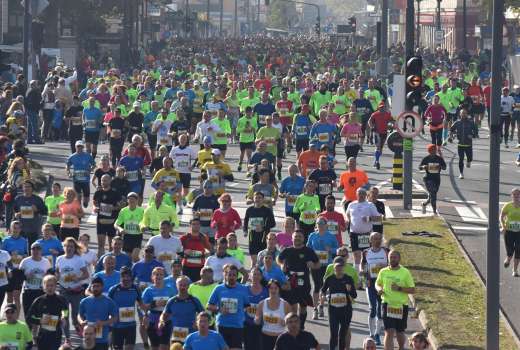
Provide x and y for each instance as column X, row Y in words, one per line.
column 332, row 226
column 433, row 168
column 69, row 278
column 76, row 121
column 127, row 314
column 256, row 224
column 49, row 322
column 325, row 189
column 205, row 214
column 165, row 257
column 26, row 212
column 68, row 219
column 513, row 226
column 338, row 299
column 132, row 228
column 91, row 124
column 274, row 320
column 353, row 138
column 270, row 140
column 374, row 270
column 132, row 176
column 179, row 334
column 160, row 302
column 301, row 130
column 261, row 119
column 220, row 135
column 251, row 310
column 323, row 137
column 394, row 312
column 105, row 209
column 291, row 200
column 309, row 215
column 363, row 241
column 323, row 255
column 229, row 304
column 183, row 164
column 164, row 140
column 115, row 133
column 195, row 257
column 9, row 345
column 80, row 174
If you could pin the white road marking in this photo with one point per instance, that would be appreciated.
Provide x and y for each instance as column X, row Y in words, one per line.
column 418, row 186
column 471, row 214
column 417, row 211
column 388, row 213
column 469, row 228
column 459, row 201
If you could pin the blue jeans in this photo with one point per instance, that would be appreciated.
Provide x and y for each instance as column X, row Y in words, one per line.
column 374, row 300
column 32, row 126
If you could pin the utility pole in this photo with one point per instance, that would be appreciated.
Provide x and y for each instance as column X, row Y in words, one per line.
column 418, row 24
column 221, row 19
column 408, row 151
column 384, row 38
column 208, row 24
column 464, row 24
column 186, row 17
column 438, row 14
column 235, row 20
column 493, row 233
column 27, row 19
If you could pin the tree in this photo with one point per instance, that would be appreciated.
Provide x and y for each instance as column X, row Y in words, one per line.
column 280, row 13
column 340, row 10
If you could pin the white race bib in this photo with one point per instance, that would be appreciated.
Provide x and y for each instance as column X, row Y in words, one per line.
column 338, row 299
column 229, row 304
column 49, row 322
column 127, row 314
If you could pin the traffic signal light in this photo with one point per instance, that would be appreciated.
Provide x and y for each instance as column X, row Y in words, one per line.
column 317, row 28
column 413, row 81
column 352, row 22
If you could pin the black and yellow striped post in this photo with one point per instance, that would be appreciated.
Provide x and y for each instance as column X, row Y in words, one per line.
column 397, row 171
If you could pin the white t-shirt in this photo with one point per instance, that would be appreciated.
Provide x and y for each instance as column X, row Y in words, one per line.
column 163, row 132
column 69, row 267
column 90, row 258
column 166, row 250
column 34, row 272
column 4, row 259
column 358, row 212
column 217, row 264
column 183, row 158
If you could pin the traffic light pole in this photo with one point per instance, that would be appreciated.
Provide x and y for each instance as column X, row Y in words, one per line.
column 408, row 143
column 384, row 39
column 27, row 19
column 317, row 7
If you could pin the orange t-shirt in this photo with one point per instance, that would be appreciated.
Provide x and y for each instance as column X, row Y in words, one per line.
column 69, row 214
column 351, row 181
column 309, row 160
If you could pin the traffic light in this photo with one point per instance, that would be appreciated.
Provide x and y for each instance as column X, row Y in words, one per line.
column 413, row 81
column 352, row 22
column 317, row 28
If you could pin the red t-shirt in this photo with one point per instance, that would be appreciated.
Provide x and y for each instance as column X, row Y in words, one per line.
column 381, row 120
column 487, row 95
column 199, row 245
column 284, row 108
column 263, row 84
column 225, row 223
column 475, row 92
column 335, row 223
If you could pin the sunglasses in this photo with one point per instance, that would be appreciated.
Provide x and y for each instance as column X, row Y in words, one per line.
column 9, row 311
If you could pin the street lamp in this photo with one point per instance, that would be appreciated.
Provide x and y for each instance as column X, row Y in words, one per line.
column 439, row 14
column 464, row 24
column 418, row 35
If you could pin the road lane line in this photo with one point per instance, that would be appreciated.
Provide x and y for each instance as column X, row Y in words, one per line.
column 469, row 228
column 471, row 214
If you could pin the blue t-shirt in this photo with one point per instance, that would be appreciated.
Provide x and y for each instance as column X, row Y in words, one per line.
column 275, row 273
column 171, row 94
column 235, row 300
column 213, row 341
column 133, row 165
column 108, row 280
column 18, row 245
column 171, row 282
column 142, row 272
column 302, row 127
column 47, row 245
column 81, row 163
column 149, row 118
column 95, row 309
column 323, row 134
column 254, row 300
column 183, row 312
column 160, row 297
column 293, row 187
column 326, row 243
column 93, row 117
column 125, row 299
column 122, row 259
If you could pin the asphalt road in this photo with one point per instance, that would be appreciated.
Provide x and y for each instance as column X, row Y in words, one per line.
column 52, row 156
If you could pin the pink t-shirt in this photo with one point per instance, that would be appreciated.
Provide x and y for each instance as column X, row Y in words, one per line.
column 351, row 133
column 284, row 239
column 225, row 223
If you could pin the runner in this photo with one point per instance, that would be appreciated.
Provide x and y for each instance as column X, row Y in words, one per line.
column 70, row 213
column 29, row 209
column 92, row 122
column 510, row 228
column 436, row 116
column 16, row 246
column 258, row 221
column 204, row 338
column 380, row 121
column 127, row 226
column 256, row 292
column 307, row 206
column 203, row 208
column 221, row 259
column 301, row 128
column 325, row 180
column 196, row 247
column 82, row 164
column 271, row 314
column 246, row 128
column 157, row 212
column 295, row 337
column 394, row 283
column 52, row 203
column 15, row 333
column 352, row 133
column 464, row 129
column 432, row 164
column 166, row 246
column 34, row 268
column 290, row 188
column 218, row 172
column 350, row 181
column 108, row 274
column 106, row 206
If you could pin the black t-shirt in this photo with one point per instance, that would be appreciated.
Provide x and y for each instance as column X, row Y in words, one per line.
column 323, row 179
column 206, row 205
column 157, row 164
column 121, row 186
column 179, row 126
column 107, row 202
column 303, row 341
column 100, row 172
column 47, row 304
column 434, row 164
column 117, row 125
column 76, row 124
column 335, row 285
column 296, row 259
column 380, row 206
column 135, row 121
column 262, row 217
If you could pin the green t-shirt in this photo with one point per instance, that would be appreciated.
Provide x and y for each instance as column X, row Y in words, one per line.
column 237, row 254
column 52, row 203
column 317, row 100
column 456, row 96
column 15, row 336
column 241, row 94
column 130, row 219
column 402, row 277
column 512, row 217
column 308, row 207
column 132, row 94
column 248, row 102
column 247, row 132
column 341, row 108
column 221, row 137
column 445, row 100
column 202, row 292
column 347, row 268
column 374, row 96
column 294, row 97
column 271, row 135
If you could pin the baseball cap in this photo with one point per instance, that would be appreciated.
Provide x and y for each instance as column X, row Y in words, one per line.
column 36, row 245
column 206, row 140
column 196, row 83
column 136, row 104
column 215, row 152
column 207, row 185
column 321, row 221
column 80, row 143
column 132, row 194
column 149, row 248
column 11, row 306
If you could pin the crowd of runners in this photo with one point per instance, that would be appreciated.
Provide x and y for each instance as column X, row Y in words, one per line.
column 169, row 124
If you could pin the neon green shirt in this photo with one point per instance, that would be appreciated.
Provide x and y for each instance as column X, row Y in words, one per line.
column 341, row 103
column 317, row 100
column 52, row 203
column 347, row 268
column 153, row 216
column 402, row 277
column 374, row 96
column 15, row 336
column 248, row 102
column 247, row 132
column 237, row 254
column 202, row 292
column 221, row 137
column 512, row 217
column 129, row 219
column 308, row 206
column 271, row 135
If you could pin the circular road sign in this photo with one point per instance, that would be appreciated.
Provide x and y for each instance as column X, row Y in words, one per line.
column 395, row 142
column 409, row 124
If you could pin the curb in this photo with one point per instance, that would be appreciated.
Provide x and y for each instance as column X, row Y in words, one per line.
column 422, row 316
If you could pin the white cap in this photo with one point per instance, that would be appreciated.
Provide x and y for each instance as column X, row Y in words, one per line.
column 80, row 143
column 215, row 152
column 136, row 104
column 196, row 83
